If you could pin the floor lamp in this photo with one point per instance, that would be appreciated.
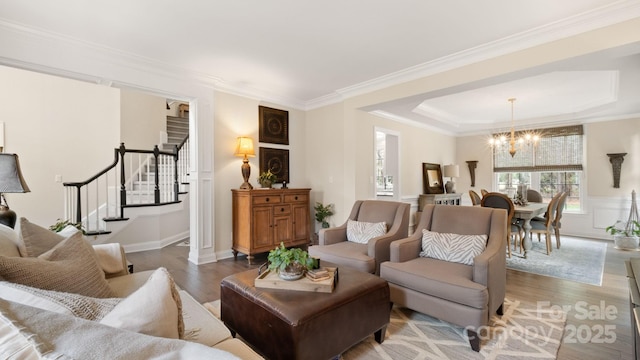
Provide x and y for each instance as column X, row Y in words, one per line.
column 11, row 181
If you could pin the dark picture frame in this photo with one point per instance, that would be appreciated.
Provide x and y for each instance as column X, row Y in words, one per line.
column 273, row 125
column 277, row 160
column 432, row 179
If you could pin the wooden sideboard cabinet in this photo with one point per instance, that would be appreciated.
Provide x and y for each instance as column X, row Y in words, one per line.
column 262, row 218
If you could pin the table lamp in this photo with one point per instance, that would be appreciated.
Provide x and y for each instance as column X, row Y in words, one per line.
column 245, row 148
column 451, row 171
column 11, row 181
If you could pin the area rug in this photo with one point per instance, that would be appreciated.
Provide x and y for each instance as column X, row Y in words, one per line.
column 578, row 259
column 523, row 332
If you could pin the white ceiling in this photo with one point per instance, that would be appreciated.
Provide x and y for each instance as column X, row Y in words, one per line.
column 305, row 54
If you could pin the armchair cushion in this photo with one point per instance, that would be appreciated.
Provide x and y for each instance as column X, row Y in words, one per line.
column 452, row 247
column 361, row 231
column 442, row 279
column 346, row 252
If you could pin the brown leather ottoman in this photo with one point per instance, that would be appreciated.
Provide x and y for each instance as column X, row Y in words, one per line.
column 288, row 324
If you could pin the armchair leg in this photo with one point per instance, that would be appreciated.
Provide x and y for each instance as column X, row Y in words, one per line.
column 474, row 340
column 500, row 310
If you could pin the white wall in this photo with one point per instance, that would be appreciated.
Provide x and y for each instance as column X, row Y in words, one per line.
column 56, row 126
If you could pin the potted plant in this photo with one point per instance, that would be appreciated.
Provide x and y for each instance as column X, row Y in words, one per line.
column 61, row 224
column 290, row 264
column 322, row 213
column 267, row 178
column 626, row 235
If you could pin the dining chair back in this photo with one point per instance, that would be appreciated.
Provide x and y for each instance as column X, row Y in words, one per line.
column 534, row 196
column 562, row 200
column 475, row 198
column 545, row 226
column 502, row 201
column 483, row 192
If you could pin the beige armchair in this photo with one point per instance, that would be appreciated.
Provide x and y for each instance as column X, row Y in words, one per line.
column 334, row 247
column 465, row 295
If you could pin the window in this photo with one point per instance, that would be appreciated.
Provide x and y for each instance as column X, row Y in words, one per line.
column 547, row 183
column 554, row 165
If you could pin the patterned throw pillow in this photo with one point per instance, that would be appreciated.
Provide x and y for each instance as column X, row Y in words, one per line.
column 71, row 266
column 361, row 231
column 452, row 247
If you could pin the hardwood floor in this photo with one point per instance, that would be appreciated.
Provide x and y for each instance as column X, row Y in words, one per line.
column 590, row 338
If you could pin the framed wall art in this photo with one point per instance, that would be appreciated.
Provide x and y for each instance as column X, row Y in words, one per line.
column 432, row 179
column 277, row 160
column 273, row 125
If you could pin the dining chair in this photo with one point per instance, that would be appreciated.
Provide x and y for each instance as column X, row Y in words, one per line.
column 502, row 201
column 483, row 192
column 562, row 200
column 534, row 196
column 545, row 226
column 475, row 198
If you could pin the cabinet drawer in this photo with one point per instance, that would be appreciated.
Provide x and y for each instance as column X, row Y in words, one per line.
column 289, row 198
column 266, row 199
column 284, row 209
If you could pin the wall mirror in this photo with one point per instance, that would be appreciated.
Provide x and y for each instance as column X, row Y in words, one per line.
column 432, row 179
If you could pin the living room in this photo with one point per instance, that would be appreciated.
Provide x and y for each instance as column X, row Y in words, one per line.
column 331, row 146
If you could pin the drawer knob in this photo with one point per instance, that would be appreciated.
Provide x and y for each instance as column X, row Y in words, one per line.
column 281, row 209
column 267, row 200
column 296, row 198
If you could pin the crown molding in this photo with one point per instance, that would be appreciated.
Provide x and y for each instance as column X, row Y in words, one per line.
column 577, row 24
column 597, row 18
column 417, row 124
column 111, row 57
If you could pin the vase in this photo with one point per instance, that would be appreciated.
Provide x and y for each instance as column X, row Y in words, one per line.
column 292, row 272
column 623, row 242
column 266, row 184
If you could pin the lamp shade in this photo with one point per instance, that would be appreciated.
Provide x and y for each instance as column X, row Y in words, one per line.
column 451, row 171
column 245, row 147
column 11, row 180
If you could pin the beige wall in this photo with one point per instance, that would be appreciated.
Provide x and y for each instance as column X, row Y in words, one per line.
column 602, row 203
column 621, row 136
column 238, row 116
column 143, row 117
column 57, row 126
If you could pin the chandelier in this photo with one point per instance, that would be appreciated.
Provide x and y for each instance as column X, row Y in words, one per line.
column 526, row 138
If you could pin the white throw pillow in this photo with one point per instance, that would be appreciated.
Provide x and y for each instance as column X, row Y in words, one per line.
column 154, row 309
column 452, row 247
column 361, row 231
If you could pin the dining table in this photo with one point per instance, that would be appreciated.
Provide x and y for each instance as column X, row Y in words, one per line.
column 526, row 213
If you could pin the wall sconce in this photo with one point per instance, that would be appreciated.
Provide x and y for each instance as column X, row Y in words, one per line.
column 245, row 148
column 451, row 171
column 472, row 164
column 11, row 181
column 616, row 163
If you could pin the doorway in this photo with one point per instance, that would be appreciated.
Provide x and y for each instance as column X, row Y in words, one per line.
column 387, row 164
